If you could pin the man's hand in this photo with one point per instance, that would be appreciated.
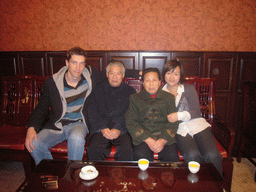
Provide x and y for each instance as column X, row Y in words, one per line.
column 31, row 134
column 173, row 117
column 159, row 145
column 107, row 133
column 115, row 133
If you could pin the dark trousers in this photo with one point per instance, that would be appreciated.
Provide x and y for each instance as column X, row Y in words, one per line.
column 99, row 147
column 201, row 148
column 169, row 153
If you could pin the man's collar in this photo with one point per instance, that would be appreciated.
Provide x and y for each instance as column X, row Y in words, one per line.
column 78, row 84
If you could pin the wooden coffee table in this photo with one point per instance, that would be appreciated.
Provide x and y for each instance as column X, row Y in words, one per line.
column 124, row 176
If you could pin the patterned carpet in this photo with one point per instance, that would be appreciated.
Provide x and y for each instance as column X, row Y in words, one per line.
column 12, row 175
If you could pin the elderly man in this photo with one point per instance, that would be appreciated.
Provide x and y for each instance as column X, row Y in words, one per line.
column 106, row 112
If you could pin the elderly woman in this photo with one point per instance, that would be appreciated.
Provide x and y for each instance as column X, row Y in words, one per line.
column 146, row 120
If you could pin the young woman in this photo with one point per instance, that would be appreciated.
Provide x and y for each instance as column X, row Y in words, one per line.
column 194, row 137
column 146, row 120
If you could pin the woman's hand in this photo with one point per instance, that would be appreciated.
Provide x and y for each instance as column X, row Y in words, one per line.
column 155, row 145
column 173, row 117
column 159, row 145
column 151, row 143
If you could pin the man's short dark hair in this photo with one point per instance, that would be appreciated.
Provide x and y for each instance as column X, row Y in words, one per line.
column 148, row 70
column 75, row 51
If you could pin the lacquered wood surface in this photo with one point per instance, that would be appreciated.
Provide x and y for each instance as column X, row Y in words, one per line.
column 125, row 176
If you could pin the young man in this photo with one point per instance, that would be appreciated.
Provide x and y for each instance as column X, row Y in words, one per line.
column 66, row 95
column 106, row 112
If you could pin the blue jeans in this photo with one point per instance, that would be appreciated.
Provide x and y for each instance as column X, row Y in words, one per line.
column 74, row 133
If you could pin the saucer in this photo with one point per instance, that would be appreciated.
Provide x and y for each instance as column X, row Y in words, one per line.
column 89, row 176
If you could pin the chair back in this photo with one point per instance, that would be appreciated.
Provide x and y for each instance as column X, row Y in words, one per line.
column 20, row 96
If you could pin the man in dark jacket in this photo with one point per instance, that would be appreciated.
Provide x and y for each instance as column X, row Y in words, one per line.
column 106, row 113
column 66, row 95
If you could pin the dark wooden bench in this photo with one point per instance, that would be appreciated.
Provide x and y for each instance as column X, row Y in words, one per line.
column 19, row 97
column 21, row 94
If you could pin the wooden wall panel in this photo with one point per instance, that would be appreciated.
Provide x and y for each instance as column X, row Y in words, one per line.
column 192, row 62
column 223, row 67
column 247, row 66
column 97, row 59
column 8, row 64
column 130, row 59
column 153, row 59
column 32, row 63
column 55, row 61
column 247, row 72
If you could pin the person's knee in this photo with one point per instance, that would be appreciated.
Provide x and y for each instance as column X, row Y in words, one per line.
column 192, row 156
column 38, row 145
column 213, row 156
column 91, row 148
column 76, row 138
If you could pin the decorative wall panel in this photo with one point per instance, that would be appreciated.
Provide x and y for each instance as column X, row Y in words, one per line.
column 130, row 59
column 32, row 63
column 192, row 62
column 153, row 59
column 55, row 61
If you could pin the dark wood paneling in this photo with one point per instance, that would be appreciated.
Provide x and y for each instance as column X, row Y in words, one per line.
column 130, row 59
column 96, row 59
column 192, row 62
column 55, row 61
column 247, row 72
column 153, row 59
column 32, row 63
column 221, row 106
column 223, row 67
column 247, row 66
column 8, row 64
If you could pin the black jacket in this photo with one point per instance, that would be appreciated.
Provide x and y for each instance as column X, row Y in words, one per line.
column 108, row 106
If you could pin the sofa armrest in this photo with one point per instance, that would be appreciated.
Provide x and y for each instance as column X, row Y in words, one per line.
column 224, row 133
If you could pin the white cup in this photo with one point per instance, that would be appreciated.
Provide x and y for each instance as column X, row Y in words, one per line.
column 88, row 172
column 193, row 166
column 143, row 164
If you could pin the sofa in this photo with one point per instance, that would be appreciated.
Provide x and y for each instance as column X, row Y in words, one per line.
column 21, row 93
